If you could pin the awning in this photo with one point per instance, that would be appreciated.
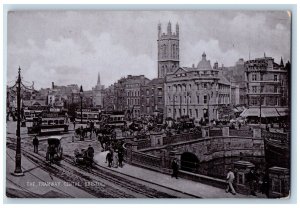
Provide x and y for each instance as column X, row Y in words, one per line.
column 283, row 111
column 265, row 112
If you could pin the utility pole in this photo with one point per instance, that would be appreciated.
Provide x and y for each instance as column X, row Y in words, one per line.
column 187, row 104
column 18, row 169
column 173, row 107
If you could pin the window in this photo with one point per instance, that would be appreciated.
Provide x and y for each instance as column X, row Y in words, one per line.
column 275, row 78
column 254, row 88
column 198, row 87
column 275, row 89
column 205, row 85
column 205, row 99
column 147, row 101
column 147, row 92
column 184, row 111
column 198, row 99
column 190, row 112
column 254, row 77
column 164, row 51
column 159, row 99
column 174, row 51
column 196, row 111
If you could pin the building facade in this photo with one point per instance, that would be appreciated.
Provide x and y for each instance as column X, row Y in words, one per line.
column 197, row 92
column 267, row 89
column 168, row 50
column 152, row 97
column 267, row 82
column 133, row 85
column 109, row 99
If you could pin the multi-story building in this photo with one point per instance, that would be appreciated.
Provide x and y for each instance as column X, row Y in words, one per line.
column 197, row 92
column 152, row 97
column 267, row 88
column 109, row 98
column 168, row 50
column 133, row 85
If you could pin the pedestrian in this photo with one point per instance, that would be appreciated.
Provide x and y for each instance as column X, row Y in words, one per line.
column 74, row 123
column 265, row 184
column 109, row 158
column 35, row 143
column 251, row 178
column 229, row 179
column 115, row 159
column 175, row 168
column 120, row 156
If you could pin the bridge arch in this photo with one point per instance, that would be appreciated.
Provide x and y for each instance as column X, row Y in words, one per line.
column 189, row 162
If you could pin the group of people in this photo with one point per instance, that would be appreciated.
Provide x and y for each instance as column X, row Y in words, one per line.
column 255, row 182
column 115, row 158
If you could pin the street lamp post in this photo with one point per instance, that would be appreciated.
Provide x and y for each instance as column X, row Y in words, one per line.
column 81, row 96
column 18, row 169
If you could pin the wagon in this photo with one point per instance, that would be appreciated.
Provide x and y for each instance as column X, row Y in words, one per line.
column 54, row 150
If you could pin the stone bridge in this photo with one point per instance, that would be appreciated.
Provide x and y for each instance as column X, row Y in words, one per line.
column 201, row 158
column 199, row 154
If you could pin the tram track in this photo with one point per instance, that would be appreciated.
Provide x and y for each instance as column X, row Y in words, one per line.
column 130, row 187
column 70, row 176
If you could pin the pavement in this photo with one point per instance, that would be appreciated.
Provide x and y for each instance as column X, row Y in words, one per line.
column 180, row 184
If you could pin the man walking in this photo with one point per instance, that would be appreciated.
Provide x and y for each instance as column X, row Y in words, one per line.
column 35, row 143
column 175, row 168
column 230, row 177
column 251, row 178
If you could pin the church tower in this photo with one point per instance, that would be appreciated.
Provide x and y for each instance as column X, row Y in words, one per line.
column 168, row 50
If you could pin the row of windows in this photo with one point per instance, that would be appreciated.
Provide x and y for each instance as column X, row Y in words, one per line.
column 255, row 77
column 190, row 111
column 133, row 101
column 180, row 88
column 133, row 93
column 256, row 89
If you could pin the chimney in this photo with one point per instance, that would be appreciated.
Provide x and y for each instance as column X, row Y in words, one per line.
column 52, row 85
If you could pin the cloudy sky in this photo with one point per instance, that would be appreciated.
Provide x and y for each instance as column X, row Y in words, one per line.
column 73, row 46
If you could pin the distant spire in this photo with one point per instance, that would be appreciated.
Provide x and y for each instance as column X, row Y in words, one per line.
column 98, row 81
column 281, row 62
column 264, row 54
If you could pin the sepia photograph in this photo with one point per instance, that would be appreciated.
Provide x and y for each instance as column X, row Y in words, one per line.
column 192, row 104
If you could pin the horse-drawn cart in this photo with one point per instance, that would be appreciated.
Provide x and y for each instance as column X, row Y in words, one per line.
column 54, row 152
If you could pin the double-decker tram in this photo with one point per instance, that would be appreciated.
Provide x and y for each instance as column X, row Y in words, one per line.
column 48, row 123
column 87, row 115
column 113, row 118
column 32, row 112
